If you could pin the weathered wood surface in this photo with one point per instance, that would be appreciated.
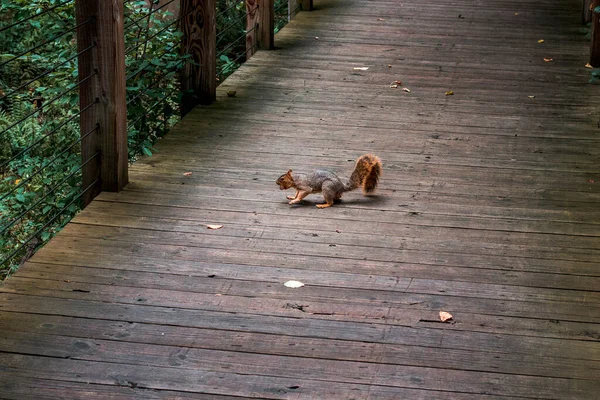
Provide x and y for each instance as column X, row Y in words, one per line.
column 105, row 64
column 488, row 209
column 199, row 28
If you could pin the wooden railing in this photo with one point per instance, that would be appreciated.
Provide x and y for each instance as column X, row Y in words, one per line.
column 108, row 61
column 42, row 183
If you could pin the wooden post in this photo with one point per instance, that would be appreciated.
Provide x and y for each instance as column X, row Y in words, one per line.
column 595, row 44
column 199, row 29
column 260, row 22
column 105, row 61
column 586, row 12
column 307, row 5
column 292, row 6
column 251, row 27
column 266, row 24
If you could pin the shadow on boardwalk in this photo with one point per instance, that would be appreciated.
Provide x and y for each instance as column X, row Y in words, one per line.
column 488, row 209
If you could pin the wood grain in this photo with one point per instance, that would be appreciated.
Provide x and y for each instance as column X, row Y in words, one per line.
column 487, row 209
column 105, row 63
column 198, row 25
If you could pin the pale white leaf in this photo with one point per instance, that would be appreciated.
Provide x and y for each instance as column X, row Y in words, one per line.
column 214, row 226
column 293, row 284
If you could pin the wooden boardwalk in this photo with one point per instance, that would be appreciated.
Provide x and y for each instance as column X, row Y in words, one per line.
column 489, row 208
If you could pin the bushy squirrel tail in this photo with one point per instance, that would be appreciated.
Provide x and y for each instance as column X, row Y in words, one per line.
column 366, row 173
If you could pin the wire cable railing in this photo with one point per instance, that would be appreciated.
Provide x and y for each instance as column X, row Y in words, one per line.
column 153, row 59
column 51, row 143
column 40, row 140
column 236, row 40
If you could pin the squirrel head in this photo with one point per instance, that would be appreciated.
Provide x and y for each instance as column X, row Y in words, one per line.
column 285, row 181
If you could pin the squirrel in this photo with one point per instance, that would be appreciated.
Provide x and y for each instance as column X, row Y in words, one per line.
column 366, row 174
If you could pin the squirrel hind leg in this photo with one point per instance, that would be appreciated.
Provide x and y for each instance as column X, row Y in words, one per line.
column 330, row 194
column 324, row 205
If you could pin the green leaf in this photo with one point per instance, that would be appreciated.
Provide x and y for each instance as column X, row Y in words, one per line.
column 20, row 197
column 146, row 151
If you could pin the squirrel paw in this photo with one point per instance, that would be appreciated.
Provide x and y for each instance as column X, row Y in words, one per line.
column 324, row 205
column 290, row 197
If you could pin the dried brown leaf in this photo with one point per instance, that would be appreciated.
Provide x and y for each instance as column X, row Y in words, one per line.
column 445, row 316
column 548, row 59
column 187, row 173
column 449, row 93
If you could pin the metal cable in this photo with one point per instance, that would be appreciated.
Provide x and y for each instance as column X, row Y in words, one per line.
column 154, row 82
column 239, row 56
column 45, row 196
column 152, row 11
column 47, row 103
column 24, row 181
column 230, row 45
column 45, row 42
column 234, row 23
column 34, row 16
column 48, row 71
column 11, row 255
column 137, row 46
column 219, row 14
column 134, row 149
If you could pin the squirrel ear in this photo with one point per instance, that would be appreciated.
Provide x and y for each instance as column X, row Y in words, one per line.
column 289, row 172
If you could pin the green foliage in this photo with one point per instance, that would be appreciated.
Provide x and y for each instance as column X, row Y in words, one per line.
column 34, row 190
column 153, row 60
column 40, row 156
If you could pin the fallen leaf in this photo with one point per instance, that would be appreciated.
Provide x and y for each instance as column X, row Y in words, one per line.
column 17, row 181
column 389, row 65
column 393, row 86
column 231, row 93
column 187, row 173
column 316, row 38
column 338, row 231
column 541, row 41
column 293, row 284
column 444, row 316
column 218, row 294
column 591, row 181
column 380, row 19
column 449, row 93
column 548, row 59
column 588, row 65
column 214, row 226
column 407, row 90
column 516, row 13
column 361, row 68
column 398, row 82
column 531, row 97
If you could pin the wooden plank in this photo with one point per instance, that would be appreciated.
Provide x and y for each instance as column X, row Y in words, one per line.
column 492, row 316
column 102, row 69
column 283, row 366
column 198, row 25
column 266, row 24
column 487, row 209
column 26, row 331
